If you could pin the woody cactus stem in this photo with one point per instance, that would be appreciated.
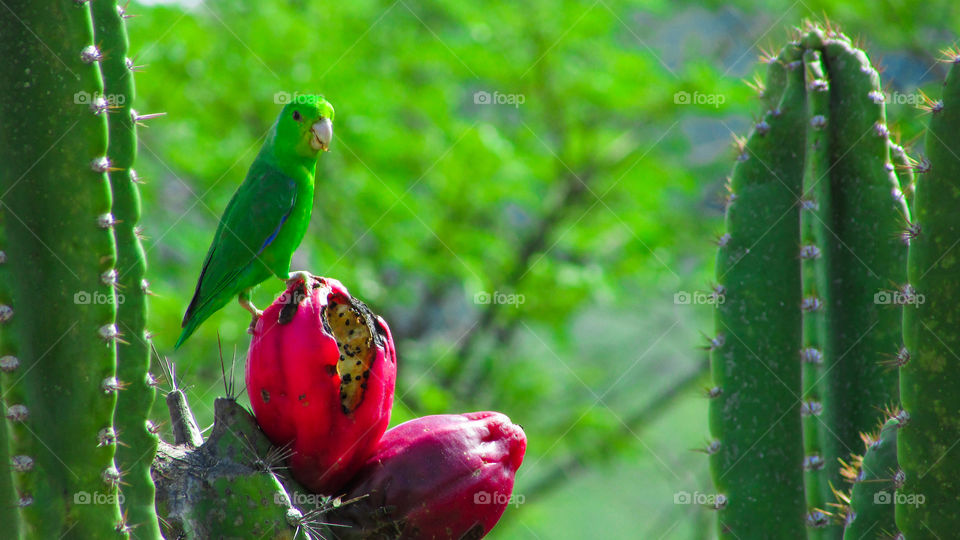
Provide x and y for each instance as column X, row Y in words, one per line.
column 866, row 258
column 930, row 380
column 60, row 385
column 814, row 206
column 754, row 414
column 138, row 442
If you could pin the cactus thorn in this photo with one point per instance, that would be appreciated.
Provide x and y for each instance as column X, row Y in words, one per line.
column 111, row 476
column 21, row 463
column 813, row 463
column 762, row 127
column 809, row 252
column 880, row 130
column 810, row 304
column 817, row 519
column 950, row 55
column 91, row 54
column 106, row 221
column 714, row 392
column 723, row 240
column 17, row 413
column 811, row 408
column 106, row 436
column 811, row 355
column 138, row 117
column 6, row 313
column 9, row 363
column 100, row 164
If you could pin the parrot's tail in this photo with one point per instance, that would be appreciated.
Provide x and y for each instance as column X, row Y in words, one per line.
column 195, row 318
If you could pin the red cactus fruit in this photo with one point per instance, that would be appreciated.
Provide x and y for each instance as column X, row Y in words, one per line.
column 447, row 476
column 320, row 377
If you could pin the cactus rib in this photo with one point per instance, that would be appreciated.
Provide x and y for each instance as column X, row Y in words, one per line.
column 57, row 208
column 813, row 255
column 930, row 380
column 865, row 254
column 134, row 401
column 755, row 419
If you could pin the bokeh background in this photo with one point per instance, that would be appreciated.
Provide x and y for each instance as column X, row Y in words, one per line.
column 527, row 192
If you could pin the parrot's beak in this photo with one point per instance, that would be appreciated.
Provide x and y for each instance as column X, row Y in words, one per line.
column 322, row 134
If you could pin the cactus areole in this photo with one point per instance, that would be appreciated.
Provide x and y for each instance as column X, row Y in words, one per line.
column 447, row 476
column 320, row 377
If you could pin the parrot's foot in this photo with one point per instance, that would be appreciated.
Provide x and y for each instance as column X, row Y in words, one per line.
column 301, row 275
column 256, row 313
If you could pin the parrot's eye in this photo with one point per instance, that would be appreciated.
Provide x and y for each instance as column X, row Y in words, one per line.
column 296, row 115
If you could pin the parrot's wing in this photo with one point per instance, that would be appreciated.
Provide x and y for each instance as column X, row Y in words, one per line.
column 250, row 223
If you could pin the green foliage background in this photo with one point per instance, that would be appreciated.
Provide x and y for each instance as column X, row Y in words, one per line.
column 596, row 199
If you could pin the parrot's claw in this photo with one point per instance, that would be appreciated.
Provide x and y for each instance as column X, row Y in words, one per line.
column 254, row 312
column 295, row 277
column 253, row 321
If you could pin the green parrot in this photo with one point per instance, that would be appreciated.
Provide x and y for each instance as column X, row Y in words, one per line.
column 267, row 216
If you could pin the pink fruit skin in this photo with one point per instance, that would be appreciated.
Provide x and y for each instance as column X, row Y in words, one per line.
column 294, row 388
column 443, row 475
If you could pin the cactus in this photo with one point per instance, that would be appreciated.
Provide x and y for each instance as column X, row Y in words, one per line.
column 137, row 443
column 60, row 399
column 845, row 276
column 756, row 411
column 868, row 509
column 930, row 380
column 228, row 486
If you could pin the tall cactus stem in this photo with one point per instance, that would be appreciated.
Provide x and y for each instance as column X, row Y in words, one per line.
column 137, row 444
column 55, row 199
column 930, row 382
column 865, row 255
column 813, row 255
column 755, row 420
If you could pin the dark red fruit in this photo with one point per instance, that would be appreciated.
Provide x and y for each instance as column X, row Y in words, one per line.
column 320, row 377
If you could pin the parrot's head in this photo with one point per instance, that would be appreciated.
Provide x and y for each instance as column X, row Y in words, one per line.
column 305, row 126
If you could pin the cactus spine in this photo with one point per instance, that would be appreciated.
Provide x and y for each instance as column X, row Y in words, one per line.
column 60, row 399
column 138, row 444
column 755, row 416
column 930, row 380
